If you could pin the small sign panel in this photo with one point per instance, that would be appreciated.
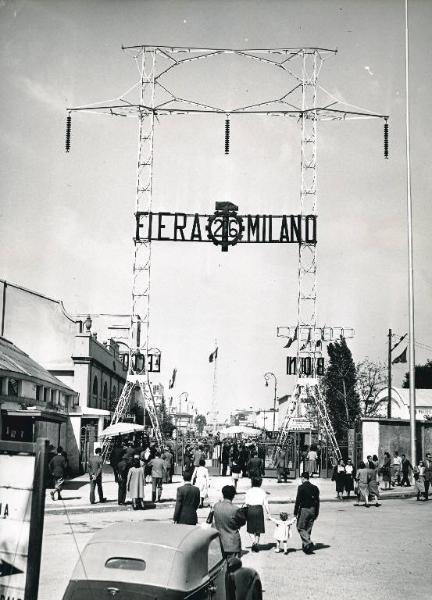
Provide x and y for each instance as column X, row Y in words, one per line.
column 16, row 489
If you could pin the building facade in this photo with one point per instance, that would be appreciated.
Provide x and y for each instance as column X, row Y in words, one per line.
column 68, row 348
column 33, row 403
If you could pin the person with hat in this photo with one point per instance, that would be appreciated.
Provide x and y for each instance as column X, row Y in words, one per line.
column 306, row 510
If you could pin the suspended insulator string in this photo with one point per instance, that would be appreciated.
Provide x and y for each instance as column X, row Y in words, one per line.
column 68, row 132
column 227, row 136
column 386, row 140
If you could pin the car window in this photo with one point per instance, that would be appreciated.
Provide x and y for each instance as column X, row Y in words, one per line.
column 215, row 555
column 131, row 564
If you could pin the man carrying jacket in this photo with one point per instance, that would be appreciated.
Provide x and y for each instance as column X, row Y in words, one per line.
column 227, row 520
column 306, row 510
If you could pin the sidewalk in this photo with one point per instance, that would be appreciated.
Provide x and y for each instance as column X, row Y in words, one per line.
column 76, row 493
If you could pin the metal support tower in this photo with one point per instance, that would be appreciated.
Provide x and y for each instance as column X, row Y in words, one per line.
column 150, row 97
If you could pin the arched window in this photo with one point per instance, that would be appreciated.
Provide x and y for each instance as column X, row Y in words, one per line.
column 95, row 389
column 114, row 393
column 105, row 394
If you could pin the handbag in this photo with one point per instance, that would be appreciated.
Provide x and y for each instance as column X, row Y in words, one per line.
column 210, row 516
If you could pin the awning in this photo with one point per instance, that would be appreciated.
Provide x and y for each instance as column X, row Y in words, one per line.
column 39, row 415
column 86, row 411
column 121, row 429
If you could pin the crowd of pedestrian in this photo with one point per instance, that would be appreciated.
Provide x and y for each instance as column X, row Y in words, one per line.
column 134, row 466
column 370, row 478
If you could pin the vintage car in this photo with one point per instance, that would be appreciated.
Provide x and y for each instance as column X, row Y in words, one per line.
column 155, row 561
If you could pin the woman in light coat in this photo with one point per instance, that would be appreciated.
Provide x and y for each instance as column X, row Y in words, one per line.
column 135, row 484
column 363, row 478
column 200, row 478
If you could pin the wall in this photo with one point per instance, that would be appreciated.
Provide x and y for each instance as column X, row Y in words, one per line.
column 54, row 432
column 49, row 339
column 394, row 436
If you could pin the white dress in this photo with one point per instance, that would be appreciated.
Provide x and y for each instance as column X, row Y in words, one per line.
column 282, row 531
column 200, row 478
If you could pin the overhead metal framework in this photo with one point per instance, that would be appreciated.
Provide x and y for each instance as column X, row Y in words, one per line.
column 152, row 96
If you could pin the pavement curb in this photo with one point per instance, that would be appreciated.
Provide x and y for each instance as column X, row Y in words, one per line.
column 170, row 503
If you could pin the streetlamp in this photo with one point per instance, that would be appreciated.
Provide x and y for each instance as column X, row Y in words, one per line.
column 267, row 377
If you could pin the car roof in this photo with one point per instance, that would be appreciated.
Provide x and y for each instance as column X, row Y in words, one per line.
column 157, row 533
column 175, row 556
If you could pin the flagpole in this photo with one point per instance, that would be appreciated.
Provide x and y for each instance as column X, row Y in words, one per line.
column 214, row 388
column 412, row 398
column 389, row 383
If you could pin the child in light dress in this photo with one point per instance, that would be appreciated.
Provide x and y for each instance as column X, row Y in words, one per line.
column 283, row 531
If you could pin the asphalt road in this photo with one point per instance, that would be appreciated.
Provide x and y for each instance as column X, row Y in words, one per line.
column 379, row 553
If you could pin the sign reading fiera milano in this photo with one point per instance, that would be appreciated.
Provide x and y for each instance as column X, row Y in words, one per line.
column 226, row 228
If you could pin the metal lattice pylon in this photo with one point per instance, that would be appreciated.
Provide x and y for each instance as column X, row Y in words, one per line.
column 309, row 390
column 151, row 97
column 123, row 405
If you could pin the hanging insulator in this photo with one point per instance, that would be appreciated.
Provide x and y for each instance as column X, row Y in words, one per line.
column 68, row 132
column 227, row 136
column 386, row 140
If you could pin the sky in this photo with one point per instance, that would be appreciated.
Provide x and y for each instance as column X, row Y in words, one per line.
column 67, row 222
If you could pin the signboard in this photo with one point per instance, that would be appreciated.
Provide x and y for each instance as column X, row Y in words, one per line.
column 226, row 228
column 300, row 424
column 351, row 443
column 22, row 496
column 304, row 365
column 143, row 364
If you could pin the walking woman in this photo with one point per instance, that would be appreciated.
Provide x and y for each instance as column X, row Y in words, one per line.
column 350, row 473
column 200, row 478
column 135, row 484
column 386, row 471
column 373, row 483
column 339, row 477
column 419, row 480
column 256, row 503
column 363, row 478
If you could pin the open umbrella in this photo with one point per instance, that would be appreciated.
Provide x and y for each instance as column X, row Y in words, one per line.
column 121, row 429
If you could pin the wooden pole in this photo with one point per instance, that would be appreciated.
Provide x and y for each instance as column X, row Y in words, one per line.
column 36, row 520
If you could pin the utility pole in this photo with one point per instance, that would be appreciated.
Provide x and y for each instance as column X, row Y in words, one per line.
column 389, row 386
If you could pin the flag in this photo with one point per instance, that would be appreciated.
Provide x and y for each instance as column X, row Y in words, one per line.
column 172, row 380
column 398, row 342
column 402, row 358
column 291, row 340
column 213, row 355
column 305, row 345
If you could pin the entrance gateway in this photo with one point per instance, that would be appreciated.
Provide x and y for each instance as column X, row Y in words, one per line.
column 302, row 99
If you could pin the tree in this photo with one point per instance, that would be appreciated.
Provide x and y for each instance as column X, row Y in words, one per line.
column 200, row 422
column 371, row 378
column 423, row 376
column 165, row 420
column 340, row 388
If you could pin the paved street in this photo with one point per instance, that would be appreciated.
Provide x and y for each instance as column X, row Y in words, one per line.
column 380, row 553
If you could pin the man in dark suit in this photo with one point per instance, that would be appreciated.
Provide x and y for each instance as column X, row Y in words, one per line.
column 255, row 466
column 57, row 468
column 228, row 519
column 187, row 502
column 306, row 510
